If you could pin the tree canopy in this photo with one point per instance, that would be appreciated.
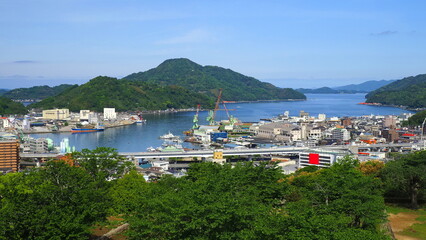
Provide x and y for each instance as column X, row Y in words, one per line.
column 406, row 176
column 410, row 92
column 209, row 79
column 9, row 107
column 102, row 92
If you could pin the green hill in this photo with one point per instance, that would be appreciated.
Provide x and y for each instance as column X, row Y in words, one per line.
column 123, row 95
column 37, row 92
column 323, row 90
column 8, row 107
column 410, row 92
column 209, row 79
column 364, row 87
column 3, row 91
column 416, row 120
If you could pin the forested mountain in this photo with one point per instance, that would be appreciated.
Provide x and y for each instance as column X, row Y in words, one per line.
column 365, row 86
column 317, row 90
column 3, row 91
column 409, row 91
column 37, row 92
column 123, row 95
column 416, row 120
column 209, row 79
column 8, row 107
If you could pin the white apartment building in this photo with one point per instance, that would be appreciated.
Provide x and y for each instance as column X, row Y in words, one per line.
column 110, row 114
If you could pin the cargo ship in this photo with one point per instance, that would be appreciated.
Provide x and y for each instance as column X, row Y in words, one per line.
column 85, row 130
column 92, row 128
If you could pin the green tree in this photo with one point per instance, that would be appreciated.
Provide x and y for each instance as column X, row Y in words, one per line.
column 126, row 191
column 103, row 163
column 55, row 202
column 212, row 202
column 8, row 107
column 406, row 174
column 333, row 200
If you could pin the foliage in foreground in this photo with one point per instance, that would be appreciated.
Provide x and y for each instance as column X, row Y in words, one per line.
column 213, row 201
column 255, row 202
column 405, row 176
column 61, row 200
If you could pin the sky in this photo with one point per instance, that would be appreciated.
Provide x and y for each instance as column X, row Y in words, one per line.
column 297, row 43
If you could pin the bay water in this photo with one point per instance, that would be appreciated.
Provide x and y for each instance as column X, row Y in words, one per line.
column 138, row 137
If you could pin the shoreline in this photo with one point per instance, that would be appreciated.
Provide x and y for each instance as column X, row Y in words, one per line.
column 226, row 102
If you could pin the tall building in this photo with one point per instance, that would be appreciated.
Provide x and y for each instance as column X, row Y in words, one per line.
column 340, row 134
column 9, row 155
column 110, row 114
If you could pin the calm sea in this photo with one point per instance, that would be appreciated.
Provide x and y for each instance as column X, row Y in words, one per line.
column 138, row 137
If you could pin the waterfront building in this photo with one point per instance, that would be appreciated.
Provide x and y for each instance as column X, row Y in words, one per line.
column 9, row 155
column 84, row 115
column 322, row 117
column 56, row 114
column 36, row 145
column 110, row 114
column 5, row 123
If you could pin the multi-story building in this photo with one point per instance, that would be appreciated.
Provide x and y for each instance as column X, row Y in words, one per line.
column 84, row 115
column 320, row 159
column 56, row 114
column 9, row 155
column 110, row 114
column 391, row 135
column 340, row 134
column 35, row 145
column 389, row 122
column 316, row 133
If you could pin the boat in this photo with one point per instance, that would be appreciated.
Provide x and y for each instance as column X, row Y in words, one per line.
column 169, row 136
column 140, row 119
column 85, row 130
column 97, row 128
column 151, row 149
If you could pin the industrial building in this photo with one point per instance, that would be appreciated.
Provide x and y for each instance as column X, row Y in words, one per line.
column 56, row 114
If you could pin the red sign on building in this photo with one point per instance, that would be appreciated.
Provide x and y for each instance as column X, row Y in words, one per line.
column 313, row 158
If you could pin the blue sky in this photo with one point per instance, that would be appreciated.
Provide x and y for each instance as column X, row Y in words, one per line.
column 288, row 43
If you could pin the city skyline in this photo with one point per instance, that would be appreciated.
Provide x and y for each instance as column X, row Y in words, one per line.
column 290, row 44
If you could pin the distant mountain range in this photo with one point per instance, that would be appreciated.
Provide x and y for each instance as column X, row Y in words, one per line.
column 209, row 79
column 2, row 91
column 36, row 93
column 409, row 91
column 364, row 87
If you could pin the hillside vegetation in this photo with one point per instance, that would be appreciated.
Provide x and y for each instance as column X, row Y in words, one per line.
column 102, row 92
column 8, row 107
column 3, row 91
column 37, row 92
column 209, row 79
column 410, row 92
